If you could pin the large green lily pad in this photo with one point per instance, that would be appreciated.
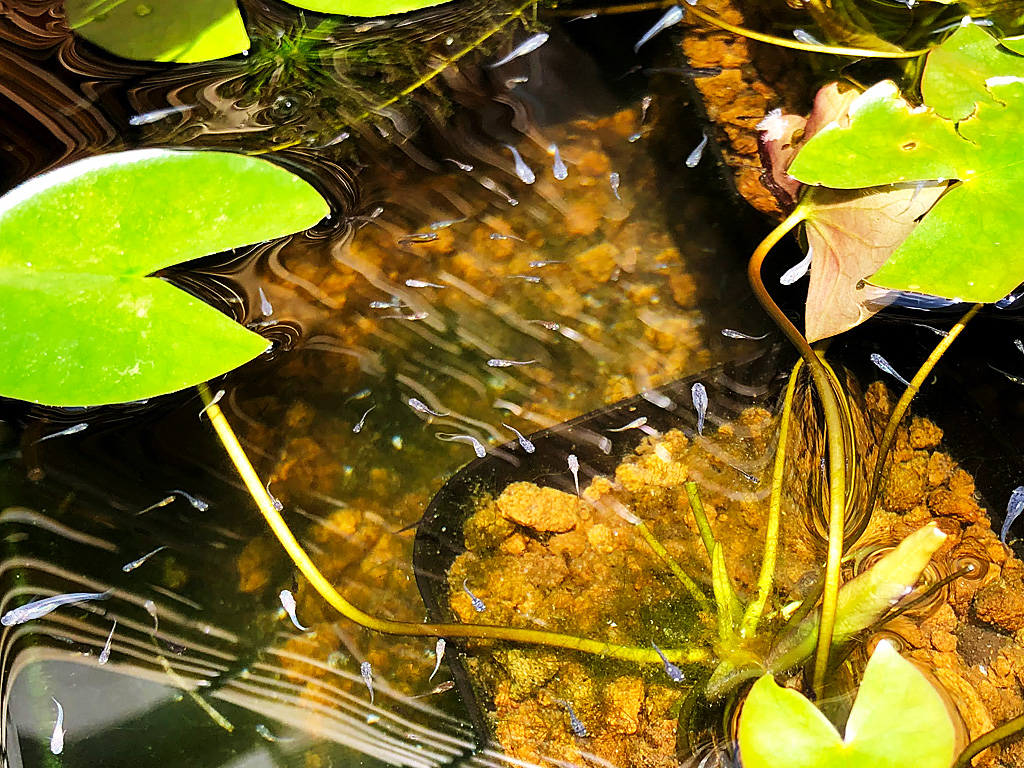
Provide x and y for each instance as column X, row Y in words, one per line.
column 182, row 31
column 365, row 8
column 81, row 322
column 969, row 246
column 899, row 720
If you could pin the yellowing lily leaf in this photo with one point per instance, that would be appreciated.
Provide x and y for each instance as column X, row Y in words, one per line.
column 969, row 245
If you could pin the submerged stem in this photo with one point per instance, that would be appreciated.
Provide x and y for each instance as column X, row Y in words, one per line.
column 903, row 404
column 834, row 434
column 673, row 566
column 706, row 534
column 983, row 742
column 771, row 537
column 475, row 631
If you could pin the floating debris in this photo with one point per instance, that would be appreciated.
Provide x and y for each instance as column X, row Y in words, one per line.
column 65, row 432
column 39, row 608
column 558, row 169
column 362, row 420
column 1013, row 511
column 613, row 180
column 422, row 284
column 700, row 402
column 797, row 271
column 574, row 467
column 288, row 603
column 523, row 171
column 529, row 45
column 883, row 364
column 524, row 442
column 129, row 567
column 698, row 152
column 672, row 17
column 478, row 604
column 367, row 674
column 478, row 447
column 674, row 673
column 496, row 362
column 574, row 722
column 418, row 405
column 105, row 653
column 729, row 333
column 57, row 739
column 417, row 237
column 439, row 654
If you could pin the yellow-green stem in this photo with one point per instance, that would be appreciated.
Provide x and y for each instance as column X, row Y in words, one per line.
column 985, row 741
column 673, row 566
column 766, row 578
column 474, row 631
column 903, row 404
column 834, row 434
column 706, row 534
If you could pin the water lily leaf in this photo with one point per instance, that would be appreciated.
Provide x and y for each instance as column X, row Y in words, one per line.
column 976, row 225
column 82, row 322
column 182, row 31
column 365, row 8
column 898, row 719
column 851, row 233
column 1015, row 43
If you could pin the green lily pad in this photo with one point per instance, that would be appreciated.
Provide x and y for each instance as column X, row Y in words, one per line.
column 82, row 322
column 898, row 720
column 365, row 8
column 183, row 31
column 975, row 228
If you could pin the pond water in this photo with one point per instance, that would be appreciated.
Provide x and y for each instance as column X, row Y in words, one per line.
column 509, row 248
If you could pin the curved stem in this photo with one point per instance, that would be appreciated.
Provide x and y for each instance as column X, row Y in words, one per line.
column 766, row 577
column 903, row 404
column 658, row 548
column 985, row 741
column 834, row 433
column 475, row 631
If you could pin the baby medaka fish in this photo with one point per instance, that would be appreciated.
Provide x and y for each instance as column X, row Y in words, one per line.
column 545, row 324
column 478, row 604
column 539, row 264
column 499, row 236
column 266, row 308
column 496, row 362
column 729, row 333
column 804, row 37
column 697, row 154
column 526, row 444
column 574, row 722
column 105, row 653
column 523, row 171
column 419, row 405
column 158, row 114
column 700, row 402
column 527, row 278
column 445, row 223
column 1019, row 345
column 529, row 45
column 57, row 739
column 39, row 608
column 613, row 181
column 574, row 467
column 199, row 504
column 439, row 653
column 558, row 169
column 65, row 432
column 162, row 503
column 422, row 284
column 447, row 685
column 1013, row 510
column 478, row 447
column 634, row 424
column 288, row 603
column 675, row 673
column 213, row 401
column 883, row 364
column 367, row 673
column 129, row 567
column 417, row 237
column 797, row 271
column 265, row 734
column 359, row 427
column 672, row 16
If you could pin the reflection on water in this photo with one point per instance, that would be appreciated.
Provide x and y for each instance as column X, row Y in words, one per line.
column 509, row 248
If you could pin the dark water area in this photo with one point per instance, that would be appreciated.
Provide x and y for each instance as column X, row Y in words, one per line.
column 443, row 278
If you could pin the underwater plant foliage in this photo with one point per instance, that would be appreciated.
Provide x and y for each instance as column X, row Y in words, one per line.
column 898, row 719
column 84, row 321
column 180, row 31
column 967, row 131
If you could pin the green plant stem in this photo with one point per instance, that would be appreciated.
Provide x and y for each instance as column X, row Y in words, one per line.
column 723, row 597
column 706, row 534
column 473, row 631
column 903, row 404
column 673, row 566
column 834, row 434
column 766, row 577
column 985, row 741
